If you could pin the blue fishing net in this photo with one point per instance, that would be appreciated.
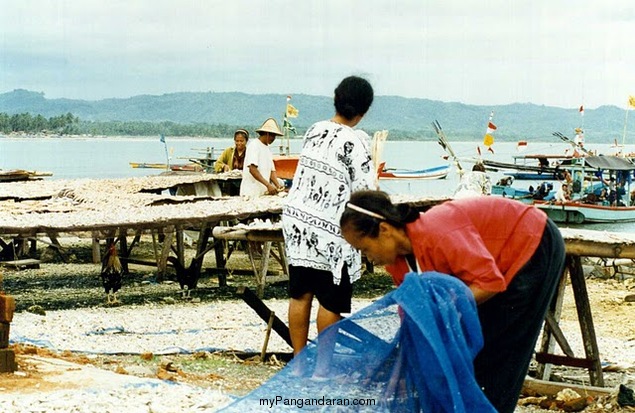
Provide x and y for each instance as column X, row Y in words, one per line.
column 410, row 351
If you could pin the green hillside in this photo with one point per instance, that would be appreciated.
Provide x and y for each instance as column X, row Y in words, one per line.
column 405, row 118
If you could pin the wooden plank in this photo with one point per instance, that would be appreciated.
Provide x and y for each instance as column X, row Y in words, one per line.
column 535, row 387
column 256, row 235
column 265, row 313
column 21, row 264
column 545, row 358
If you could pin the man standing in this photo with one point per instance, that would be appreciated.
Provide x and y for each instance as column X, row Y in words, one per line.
column 335, row 161
column 259, row 173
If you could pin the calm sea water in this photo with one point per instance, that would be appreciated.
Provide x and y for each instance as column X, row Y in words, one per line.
column 71, row 158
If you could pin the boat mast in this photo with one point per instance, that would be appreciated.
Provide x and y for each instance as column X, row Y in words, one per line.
column 289, row 112
column 631, row 103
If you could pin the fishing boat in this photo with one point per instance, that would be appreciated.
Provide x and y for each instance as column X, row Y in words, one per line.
column 586, row 206
column 148, row 165
column 436, row 172
column 16, row 175
column 188, row 167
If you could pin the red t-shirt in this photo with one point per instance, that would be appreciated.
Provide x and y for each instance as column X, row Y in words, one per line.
column 483, row 241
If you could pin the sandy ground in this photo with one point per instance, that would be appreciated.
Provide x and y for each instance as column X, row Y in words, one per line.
column 216, row 377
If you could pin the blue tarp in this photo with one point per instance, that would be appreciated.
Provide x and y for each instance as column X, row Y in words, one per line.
column 410, row 351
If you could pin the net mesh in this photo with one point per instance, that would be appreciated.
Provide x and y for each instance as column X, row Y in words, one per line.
column 412, row 350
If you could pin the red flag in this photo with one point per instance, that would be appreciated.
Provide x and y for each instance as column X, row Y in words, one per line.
column 581, row 110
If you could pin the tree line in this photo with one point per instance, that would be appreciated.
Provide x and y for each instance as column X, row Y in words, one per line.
column 69, row 124
column 25, row 122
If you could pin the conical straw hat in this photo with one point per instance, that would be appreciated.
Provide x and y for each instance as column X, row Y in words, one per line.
column 270, row 126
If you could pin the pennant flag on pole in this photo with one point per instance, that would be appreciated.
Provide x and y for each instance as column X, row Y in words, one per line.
column 488, row 139
column 288, row 126
column 631, row 101
column 521, row 146
column 292, row 112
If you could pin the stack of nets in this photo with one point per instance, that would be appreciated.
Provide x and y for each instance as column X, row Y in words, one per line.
column 410, row 351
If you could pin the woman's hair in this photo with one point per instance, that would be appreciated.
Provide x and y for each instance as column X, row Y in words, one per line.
column 478, row 167
column 353, row 97
column 242, row 132
column 367, row 209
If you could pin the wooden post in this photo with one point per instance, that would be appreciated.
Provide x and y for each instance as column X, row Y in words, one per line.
column 586, row 319
column 263, row 353
column 7, row 356
column 168, row 233
column 547, row 344
column 95, row 246
column 591, row 361
column 123, row 250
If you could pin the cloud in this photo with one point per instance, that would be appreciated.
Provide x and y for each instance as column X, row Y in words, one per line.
column 554, row 53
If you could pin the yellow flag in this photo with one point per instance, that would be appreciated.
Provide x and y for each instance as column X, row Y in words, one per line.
column 488, row 140
column 631, row 101
column 291, row 111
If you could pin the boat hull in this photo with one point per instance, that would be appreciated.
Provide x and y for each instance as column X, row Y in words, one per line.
column 190, row 167
column 438, row 172
column 578, row 213
column 148, row 165
column 286, row 165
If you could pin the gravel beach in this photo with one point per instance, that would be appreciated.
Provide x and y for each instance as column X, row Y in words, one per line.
column 159, row 353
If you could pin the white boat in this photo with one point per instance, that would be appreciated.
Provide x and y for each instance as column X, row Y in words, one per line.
column 436, row 172
column 585, row 207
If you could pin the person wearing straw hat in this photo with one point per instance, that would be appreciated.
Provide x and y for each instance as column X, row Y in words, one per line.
column 259, row 172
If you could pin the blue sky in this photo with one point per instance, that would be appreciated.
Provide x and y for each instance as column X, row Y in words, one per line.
column 552, row 52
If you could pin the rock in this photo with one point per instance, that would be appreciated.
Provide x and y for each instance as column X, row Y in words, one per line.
column 139, row 371
column 146, row 356
column 36, row 309
column 625, row 396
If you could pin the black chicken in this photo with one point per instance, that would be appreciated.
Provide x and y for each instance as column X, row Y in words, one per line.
column 111, row 273
column 187, row 277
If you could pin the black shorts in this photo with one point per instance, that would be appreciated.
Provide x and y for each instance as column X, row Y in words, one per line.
column 335, row 298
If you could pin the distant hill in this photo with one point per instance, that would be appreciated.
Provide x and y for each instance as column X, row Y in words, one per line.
column 411, row 117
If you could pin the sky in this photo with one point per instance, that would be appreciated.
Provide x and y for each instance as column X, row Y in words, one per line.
column 485, row 52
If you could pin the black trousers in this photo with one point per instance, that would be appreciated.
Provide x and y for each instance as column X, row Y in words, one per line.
column 511, row 322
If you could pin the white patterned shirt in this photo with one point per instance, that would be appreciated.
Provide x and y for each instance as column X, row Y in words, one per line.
column 335, row 161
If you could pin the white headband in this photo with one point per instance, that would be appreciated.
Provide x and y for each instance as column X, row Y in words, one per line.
column 364, row 211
